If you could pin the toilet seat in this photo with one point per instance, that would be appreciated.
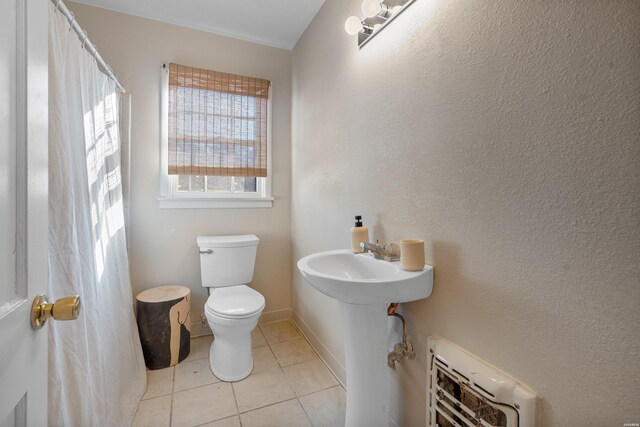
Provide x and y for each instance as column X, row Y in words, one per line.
column 234, row 302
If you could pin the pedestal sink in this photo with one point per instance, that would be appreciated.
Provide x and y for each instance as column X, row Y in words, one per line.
column 364, row 286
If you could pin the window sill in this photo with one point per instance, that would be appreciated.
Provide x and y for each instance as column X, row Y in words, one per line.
column 214, row 202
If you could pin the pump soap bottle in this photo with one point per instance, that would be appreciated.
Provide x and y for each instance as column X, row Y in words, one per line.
column 359, row 234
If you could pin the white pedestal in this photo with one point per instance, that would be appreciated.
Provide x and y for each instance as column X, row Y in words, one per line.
column 366, row 358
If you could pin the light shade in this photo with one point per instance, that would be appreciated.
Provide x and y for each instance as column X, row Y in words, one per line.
column 353, row 25
column 371, row 8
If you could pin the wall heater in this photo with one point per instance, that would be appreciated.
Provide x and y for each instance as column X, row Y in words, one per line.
column 465, row 391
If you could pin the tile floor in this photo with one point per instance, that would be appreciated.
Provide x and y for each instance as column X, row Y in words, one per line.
column 289, row 387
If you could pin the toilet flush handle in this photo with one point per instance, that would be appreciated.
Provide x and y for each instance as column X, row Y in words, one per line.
column 208, row 251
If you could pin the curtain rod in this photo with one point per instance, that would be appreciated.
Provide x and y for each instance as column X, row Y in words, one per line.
column 86, row 43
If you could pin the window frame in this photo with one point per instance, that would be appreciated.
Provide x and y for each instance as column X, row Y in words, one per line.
column 170, row 198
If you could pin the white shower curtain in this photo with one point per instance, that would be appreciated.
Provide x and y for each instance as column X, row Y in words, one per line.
column 96, row 369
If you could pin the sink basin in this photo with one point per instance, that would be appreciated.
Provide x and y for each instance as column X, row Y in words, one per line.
column 364, row 286
column 362, row 279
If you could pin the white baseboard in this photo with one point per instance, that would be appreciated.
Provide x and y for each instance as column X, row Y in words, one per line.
column 272, row 316
column 199, row 330
column 327, row 357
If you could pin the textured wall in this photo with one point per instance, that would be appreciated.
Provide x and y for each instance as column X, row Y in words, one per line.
column 507, row 135
column 163, row 246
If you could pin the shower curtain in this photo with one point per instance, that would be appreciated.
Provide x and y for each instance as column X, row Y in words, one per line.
column 96, row 369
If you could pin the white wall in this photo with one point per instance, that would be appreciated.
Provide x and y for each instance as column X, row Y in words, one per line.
column 163, row 242
column 507, row 135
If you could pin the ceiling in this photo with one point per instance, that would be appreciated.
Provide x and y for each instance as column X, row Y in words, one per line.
column 277, row 23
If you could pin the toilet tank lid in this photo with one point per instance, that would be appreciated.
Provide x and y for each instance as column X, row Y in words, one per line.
column 227, row 241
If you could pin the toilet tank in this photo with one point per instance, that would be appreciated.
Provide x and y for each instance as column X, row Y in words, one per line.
column 227, row 260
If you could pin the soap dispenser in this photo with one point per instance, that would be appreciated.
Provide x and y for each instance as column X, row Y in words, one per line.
column 359, row 234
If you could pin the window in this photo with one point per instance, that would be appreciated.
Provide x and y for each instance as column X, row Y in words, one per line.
column 215, row 139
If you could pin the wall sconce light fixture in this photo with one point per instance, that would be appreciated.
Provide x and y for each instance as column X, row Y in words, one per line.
column 377, row 14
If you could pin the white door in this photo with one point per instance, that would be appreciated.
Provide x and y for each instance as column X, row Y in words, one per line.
column 23, row 209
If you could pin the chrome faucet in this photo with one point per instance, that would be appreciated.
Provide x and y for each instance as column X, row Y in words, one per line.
column 387, row 252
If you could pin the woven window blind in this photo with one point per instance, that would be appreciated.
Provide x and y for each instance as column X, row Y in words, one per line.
column 217, row 123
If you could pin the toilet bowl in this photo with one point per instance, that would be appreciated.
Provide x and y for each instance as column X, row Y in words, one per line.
column 232, row 308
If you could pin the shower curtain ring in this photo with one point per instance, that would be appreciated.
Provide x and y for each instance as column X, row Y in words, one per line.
column 85, row 36
column 71, row 20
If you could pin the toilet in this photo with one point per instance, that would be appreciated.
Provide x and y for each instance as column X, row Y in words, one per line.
column 233, row 308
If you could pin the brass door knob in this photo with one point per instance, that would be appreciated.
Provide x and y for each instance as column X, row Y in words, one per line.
column 63, row 309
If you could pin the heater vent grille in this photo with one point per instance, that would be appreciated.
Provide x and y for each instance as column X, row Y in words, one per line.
column 466, row 392
column 459, row 405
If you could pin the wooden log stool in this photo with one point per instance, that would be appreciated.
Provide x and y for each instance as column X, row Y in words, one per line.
column 164, row 323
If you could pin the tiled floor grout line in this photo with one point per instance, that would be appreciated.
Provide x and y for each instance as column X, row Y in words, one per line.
column 319, row 390
column 266, row 406
column 235, row 399
column 305, row 412
column 278, row 364
column 294, row 364
column 173, row 386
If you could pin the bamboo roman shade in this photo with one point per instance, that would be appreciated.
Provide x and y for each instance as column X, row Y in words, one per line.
column 217, row 123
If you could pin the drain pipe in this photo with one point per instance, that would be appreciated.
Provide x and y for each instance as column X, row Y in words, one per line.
column 402, row 349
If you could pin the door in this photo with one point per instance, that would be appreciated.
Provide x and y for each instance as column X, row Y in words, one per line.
column 23, row 209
